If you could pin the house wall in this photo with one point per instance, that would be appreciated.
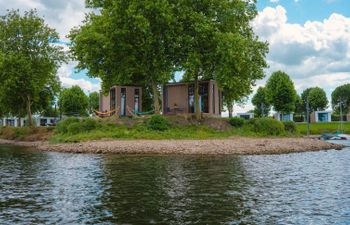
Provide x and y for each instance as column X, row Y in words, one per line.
column 130, row 94
column 178, row 94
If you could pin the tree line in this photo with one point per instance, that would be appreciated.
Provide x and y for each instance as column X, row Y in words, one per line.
column 280, row 95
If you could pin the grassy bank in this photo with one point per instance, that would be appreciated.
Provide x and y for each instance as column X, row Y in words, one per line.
column 320, row 128
column 154, row 128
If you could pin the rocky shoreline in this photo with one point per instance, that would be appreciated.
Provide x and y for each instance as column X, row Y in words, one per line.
column 235, row 145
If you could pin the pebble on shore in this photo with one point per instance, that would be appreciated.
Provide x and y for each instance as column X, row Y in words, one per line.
column 235, row 145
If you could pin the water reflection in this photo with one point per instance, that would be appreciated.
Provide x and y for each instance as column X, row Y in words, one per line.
column 54, row 188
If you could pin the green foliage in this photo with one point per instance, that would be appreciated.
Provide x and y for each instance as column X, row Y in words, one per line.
column 158, row 122
column 74, row 128
column 204, row 39
column 73, row 101
column 28, row 73
column 62, row 126
column 281, row 93
column 128, row 42
column 237, row 122
column 268, row 126
column 290, row 126
column 316, row 97
column 89, row 124
column 94, row 101
column 341, row 94
column 261, row 103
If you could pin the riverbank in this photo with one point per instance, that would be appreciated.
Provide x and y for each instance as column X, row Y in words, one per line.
column 236, row 145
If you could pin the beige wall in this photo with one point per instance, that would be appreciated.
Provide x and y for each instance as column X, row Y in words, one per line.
column 178, row 93
column 130, row 90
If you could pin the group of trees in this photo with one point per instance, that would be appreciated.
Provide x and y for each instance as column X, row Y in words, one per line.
column 131, row 42
column 145, row 42
column 280, row 94
column 29, row 60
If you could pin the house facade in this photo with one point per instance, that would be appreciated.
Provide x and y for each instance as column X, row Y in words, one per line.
column 178, row 98
column 284, row 117
column 123, row 100
column 246, row 116
column 321, row 117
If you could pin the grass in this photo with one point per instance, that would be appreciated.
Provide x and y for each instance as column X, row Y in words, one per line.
column 87, row 129
column 187, row 132
column 320, row 128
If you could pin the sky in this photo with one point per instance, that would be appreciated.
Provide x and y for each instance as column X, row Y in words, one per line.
column 308, row 39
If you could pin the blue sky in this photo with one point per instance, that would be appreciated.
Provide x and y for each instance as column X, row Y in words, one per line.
column 309, row 39
column 303, row 10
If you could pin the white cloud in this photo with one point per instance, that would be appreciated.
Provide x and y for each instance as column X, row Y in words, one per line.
column 316, row 53
column 274, row 1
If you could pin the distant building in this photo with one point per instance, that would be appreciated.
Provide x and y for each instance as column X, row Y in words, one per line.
column 246, row 116
column 284, row 117
column 321, row 116
column 178, row 98
column 124, row 100
column 21, row 122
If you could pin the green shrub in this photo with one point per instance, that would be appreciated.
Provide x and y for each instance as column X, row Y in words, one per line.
column 158, row 122
column 251, row 121
column 74, row 128
column 88, row 124
column 268, row 126
column 290, row 126
column 62, row 126
column 237, row 122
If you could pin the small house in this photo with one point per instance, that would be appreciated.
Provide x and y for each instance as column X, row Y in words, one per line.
column 246, row 116
column 321, row 117
column 178, row 98
column 284, row 117
column 122, row 100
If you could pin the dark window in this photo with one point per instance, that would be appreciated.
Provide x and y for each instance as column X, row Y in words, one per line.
column 137, row 100
column 43, row 122
column 112, row 99
column 123, row 102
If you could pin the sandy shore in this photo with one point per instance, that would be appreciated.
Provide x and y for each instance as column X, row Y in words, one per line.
column 237, row 145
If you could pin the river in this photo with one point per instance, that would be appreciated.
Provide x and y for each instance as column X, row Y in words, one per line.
column 57, row 188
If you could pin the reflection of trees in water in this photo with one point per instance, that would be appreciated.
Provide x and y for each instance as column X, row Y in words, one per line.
column 176, row 189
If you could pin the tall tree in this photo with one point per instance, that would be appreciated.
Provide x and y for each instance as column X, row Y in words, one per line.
column 281, row 92
column 341, row 95
column 73, row 102
column 261, row 103
column 128, row 42
column 29, row 69
column 94, row 101
column 217, row 41
column 316, row 97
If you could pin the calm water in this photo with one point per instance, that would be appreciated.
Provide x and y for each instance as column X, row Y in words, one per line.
column 55, row 188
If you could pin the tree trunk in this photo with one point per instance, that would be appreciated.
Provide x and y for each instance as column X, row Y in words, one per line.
column 29, row 111
column 155, row 98
column 196, row 98
column 230, row 110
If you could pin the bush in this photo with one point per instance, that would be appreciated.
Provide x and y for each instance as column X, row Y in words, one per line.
column 88, row 124
column 74, row 128
column 158, row 122
column 237, row 122
column 62, row 126
column 268, row 126
column 290, row 126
